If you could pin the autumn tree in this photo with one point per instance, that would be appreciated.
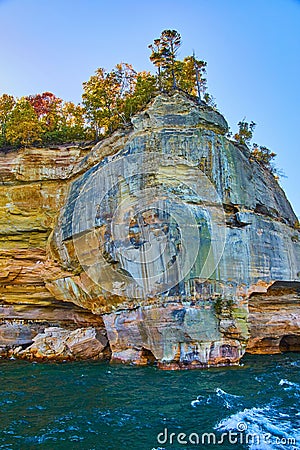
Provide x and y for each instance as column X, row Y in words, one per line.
column 43, row 103
column 111, row 98
column 40, row 119
column 190, row 74
column 60, row 121
column 48, row 108
column 263, row 155
column 100, row 95
column 126, row 78
column 23, row 126
column 73, row 120
column 7, row 103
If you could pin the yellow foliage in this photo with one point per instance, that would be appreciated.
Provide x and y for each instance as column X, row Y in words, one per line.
column 23, row 126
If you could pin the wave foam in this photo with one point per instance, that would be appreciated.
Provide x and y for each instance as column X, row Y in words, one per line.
column 285, row 382
column 228, row 400
column 264, row 422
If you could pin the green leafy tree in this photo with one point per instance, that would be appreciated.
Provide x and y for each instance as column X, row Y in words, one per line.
column 7, row 103
column 210, row 100
column 23, row 126
column 190, row 74
column 187, row 75
column 144, row 90
column 69, row 125
column 101, row 100
column 73, row 122
column 263, row 155
column 111, row 98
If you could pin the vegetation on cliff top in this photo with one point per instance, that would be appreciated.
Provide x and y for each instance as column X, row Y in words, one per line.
column 109, row 100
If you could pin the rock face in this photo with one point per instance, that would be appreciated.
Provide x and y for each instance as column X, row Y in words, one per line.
column 59, row 343
column 274, row 319
column 175, row 335
column 163, row 243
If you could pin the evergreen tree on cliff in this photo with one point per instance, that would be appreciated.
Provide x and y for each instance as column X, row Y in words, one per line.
column 187, row 75
column 164, row 52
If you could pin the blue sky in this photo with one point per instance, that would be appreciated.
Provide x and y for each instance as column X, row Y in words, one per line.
column 252, row 49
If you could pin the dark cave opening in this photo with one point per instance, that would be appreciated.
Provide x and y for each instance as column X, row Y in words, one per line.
column 290, row 343
column 148, row 356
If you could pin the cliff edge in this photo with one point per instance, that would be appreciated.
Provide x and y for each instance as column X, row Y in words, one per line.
column 163, row 243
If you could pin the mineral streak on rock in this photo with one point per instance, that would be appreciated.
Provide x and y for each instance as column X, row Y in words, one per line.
column 73, row 285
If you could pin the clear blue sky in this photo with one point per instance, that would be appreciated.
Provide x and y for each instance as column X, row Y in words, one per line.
column 252, row 49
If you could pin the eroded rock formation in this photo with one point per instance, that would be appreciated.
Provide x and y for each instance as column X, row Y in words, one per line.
column 163, row 243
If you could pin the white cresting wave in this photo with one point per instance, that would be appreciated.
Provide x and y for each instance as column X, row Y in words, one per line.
column 228, row 400
column 285, row 383
column 275, row 430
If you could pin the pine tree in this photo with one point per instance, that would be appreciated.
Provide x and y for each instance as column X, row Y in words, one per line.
column 163, row 56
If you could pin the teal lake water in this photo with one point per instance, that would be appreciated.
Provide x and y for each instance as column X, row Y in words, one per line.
column 91, row 405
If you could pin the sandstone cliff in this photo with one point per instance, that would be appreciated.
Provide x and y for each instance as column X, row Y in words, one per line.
column 161, row 243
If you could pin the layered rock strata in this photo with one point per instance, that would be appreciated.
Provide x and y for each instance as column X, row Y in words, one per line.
column 164, row 243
